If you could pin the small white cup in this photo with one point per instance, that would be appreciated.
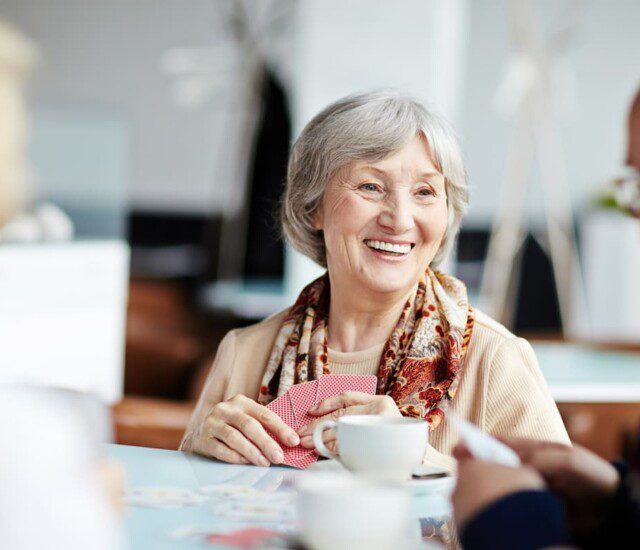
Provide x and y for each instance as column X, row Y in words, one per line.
column 380, row 447
column 342, row 511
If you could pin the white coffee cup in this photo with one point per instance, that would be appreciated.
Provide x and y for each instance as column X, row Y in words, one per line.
column 381, row 447
column 342, row 511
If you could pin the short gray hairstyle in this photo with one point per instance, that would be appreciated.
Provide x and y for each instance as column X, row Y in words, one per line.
column 367, row 126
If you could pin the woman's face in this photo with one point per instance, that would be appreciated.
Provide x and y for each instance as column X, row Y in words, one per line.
column 383, row 221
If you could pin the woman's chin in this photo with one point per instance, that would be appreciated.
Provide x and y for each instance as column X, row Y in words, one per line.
column 390, row 281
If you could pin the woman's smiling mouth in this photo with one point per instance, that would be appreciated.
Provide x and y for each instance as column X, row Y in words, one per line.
column 388, row 248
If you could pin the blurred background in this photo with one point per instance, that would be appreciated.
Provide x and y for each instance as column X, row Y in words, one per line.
column 158, row 136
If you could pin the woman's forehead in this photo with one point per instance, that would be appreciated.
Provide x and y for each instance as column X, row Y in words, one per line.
column 414, row 156
column 423, row 168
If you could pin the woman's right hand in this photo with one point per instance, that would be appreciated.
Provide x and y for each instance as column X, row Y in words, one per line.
column 235, row 431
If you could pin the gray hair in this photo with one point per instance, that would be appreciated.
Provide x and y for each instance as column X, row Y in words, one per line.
column 368, row 126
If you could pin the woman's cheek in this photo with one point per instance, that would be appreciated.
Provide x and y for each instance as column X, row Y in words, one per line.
column 434, row 225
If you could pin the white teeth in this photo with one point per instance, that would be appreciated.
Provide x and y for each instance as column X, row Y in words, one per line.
column 389, row 247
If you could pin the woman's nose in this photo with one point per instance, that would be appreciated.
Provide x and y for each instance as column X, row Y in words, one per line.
column 397, row 216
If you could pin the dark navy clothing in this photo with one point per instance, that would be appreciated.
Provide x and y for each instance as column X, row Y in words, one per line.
column 527, row 520
column 530, row 520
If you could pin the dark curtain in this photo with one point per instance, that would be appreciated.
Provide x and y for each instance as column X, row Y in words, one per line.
column 265, row 251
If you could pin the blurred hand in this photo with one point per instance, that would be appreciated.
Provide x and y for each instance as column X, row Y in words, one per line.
column 343, row 404
column 235, row 432
column 582, row 479
column 480, row 484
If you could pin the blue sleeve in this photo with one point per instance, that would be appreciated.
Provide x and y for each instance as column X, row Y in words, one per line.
column 526, row 520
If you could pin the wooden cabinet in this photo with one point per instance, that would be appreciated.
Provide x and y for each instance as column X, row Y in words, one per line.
column 604, row 428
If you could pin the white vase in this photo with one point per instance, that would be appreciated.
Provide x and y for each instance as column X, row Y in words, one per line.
column 611, row 261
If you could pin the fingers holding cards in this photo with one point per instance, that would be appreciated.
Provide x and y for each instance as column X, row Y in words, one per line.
column 340, row 401
column 295, row 406
column 236, row 431
column 328, row 436
column 218, row 449
column 225, row 438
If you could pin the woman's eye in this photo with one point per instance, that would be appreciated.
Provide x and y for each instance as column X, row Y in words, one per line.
column 426, row 192
column 371, row 187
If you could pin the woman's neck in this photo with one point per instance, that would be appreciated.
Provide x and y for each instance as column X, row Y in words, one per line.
column 360, row 320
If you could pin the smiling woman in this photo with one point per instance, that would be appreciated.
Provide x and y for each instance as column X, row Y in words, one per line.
column 376, row 190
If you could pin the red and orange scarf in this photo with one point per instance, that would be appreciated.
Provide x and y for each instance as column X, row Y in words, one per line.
column 421, row 363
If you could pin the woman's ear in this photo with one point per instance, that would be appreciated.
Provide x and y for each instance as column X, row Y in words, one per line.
column 317, row 218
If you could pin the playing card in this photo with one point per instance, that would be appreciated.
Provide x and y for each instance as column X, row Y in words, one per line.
column 299, row 457
column 334, row 384
column 484, row 447
column 282, row 407
column 303, row 397
column 162, row 497
column 292, row 407
column 249, row 537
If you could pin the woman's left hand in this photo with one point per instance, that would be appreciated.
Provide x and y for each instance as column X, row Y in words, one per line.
column 344, row 404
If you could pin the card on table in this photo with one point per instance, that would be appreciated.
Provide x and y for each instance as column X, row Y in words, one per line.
column 162, row 497
column 248, row 537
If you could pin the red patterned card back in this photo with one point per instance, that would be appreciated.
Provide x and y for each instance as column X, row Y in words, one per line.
column 303, row 397
column 299, row 457
column 334, row 384
column 282, row 407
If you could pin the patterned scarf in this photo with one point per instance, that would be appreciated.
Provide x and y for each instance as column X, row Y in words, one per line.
column 421, row 362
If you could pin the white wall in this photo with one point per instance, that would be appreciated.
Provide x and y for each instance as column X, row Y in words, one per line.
column 105, row 54
column 606, row 65
column 344, row 47
column 341, row 47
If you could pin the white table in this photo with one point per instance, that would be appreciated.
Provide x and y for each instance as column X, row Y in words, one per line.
column 159, row 529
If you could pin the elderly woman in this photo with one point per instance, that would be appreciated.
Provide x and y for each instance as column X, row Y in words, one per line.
column 376, row 190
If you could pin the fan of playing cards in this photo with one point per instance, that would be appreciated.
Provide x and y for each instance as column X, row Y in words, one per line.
column 294, row 405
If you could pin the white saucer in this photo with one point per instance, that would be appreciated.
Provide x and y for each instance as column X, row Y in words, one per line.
column 438, row 485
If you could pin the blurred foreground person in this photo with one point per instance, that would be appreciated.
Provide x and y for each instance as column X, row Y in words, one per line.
column 53, row 489
column 561, row 496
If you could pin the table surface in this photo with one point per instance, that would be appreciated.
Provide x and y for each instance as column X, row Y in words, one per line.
column 225, row 505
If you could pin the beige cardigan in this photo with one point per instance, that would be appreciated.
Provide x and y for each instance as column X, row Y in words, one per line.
column 502, row 389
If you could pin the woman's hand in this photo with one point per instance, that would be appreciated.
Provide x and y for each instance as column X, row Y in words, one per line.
column 235, row 431
column 482, row 483
column 345, row 404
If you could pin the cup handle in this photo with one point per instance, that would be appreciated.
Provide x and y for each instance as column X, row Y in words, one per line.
column 317, row 438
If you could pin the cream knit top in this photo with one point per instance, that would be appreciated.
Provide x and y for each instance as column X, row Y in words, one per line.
column 502, row 390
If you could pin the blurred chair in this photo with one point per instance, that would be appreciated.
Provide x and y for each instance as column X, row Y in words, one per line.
column 170, row 346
